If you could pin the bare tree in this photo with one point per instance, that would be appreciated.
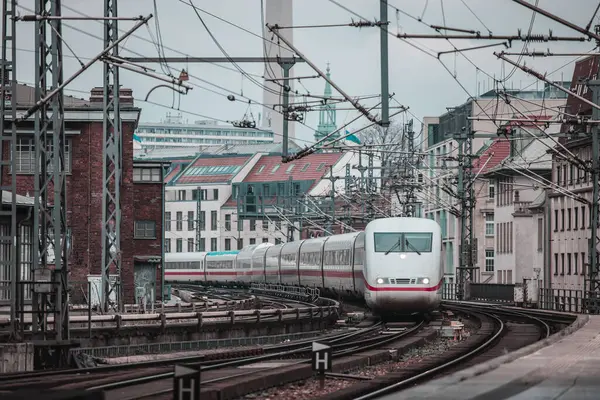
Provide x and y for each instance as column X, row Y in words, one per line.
column 387, row 144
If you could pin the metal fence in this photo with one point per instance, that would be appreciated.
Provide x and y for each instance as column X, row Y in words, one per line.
column 195, row 345
column 562, row 300
column 494, row 292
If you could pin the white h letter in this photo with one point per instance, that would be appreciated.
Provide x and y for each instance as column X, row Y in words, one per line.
column 321, row 361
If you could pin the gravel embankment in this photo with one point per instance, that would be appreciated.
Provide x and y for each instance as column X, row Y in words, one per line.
column 310, row 389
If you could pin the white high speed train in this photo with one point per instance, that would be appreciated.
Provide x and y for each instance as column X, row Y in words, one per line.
column 395, row 265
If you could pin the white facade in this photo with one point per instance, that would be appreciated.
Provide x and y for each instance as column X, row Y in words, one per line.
column 174, row 131
column 440, row 173
column 570, row 220
column 221, row 230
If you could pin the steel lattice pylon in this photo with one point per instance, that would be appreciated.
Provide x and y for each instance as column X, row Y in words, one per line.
column 8, row 140
column 50, row 216
column 112, row 167
column 467, row 248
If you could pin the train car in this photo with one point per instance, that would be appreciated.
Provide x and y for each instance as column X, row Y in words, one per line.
column 342, row 264
column 402, row 271
column 220, row 266
column 185, row 267
column 243, row 264
column 272, row 264
column 259, row 261
column 395, row 265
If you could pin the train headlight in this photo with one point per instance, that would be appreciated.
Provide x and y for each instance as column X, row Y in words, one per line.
column 380, row 281
column 425, row 281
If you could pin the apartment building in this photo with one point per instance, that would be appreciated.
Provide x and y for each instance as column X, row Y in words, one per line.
column 216, row 185
column 570, row 216
column 441, row 151
column 490, row 155
column 519, row 207
column 571, row 191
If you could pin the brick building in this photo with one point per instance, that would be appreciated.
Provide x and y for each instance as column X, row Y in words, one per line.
column 83, row 156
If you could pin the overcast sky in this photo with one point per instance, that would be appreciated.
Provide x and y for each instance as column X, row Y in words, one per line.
column 418, row 80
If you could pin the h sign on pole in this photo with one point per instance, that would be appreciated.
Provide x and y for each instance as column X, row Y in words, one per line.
column 186, row 383
column 321, row 360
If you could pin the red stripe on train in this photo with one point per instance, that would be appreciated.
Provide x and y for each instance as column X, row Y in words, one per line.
column 332, row 274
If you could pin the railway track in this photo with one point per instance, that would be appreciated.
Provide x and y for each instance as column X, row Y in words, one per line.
column 149, row 370
column 498, row 334
column 160, row 385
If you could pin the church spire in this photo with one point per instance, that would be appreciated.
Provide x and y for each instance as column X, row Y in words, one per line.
column 327, row 113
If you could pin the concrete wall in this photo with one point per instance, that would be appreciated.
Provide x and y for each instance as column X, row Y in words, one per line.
column 16, row 357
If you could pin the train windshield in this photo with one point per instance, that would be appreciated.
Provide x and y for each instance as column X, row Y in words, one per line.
column 402, row 242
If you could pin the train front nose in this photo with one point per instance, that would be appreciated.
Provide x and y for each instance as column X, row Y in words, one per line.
column 405, row 301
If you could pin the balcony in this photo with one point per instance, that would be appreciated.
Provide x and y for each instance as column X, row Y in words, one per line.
column 522, row 208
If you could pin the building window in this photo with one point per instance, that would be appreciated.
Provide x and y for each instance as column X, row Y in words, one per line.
column 555, row 220
column 562, row 263
column 202, row 220
column 167, row 221
column 240, row 225
column 540, row 241
column 582, row 217
column 240, row 244
column 181, row 195
column 252, row 224
column 569, row 264
column 190, row 220
column 266, row 190
column 575, row 262
column 489, row 261
column 213, row 244
column 179, row 246
column 202, row 192
column 202, row 244
column 179, row 223
column 190, row 245
column 252, row 241
column 265, row 224
column 227, row 222
column 555, row 263
column 145, row 230
column 141, row 174
column 583, row 272
column 213, row 221
column 167, row 245
column 576, row 218
column 491, row 190
column 562, row 220
column 489, row 224
column 277, row 241
column 569, row 219
column 215, row 194
column 227, row 244
column 265, row 240
column 558, row 174
column 25, row 158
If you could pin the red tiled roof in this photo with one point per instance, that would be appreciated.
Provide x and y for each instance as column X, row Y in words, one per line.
column 307, row 168
column 495, row 153
column 189, row 177
column 174, row 172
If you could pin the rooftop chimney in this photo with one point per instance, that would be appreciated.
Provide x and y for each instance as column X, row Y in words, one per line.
column 125, row 96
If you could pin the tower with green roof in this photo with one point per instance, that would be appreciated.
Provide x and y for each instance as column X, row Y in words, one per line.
column 327, row 114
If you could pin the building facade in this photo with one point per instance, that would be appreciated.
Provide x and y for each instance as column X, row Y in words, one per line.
column 174, row 131
column 288, row 195
column 84, row 163
column 441, row 149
